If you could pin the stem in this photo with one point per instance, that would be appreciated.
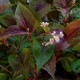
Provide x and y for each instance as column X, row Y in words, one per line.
column 57, row 55
column 10, row 48
column 30, row 78
column 16, row 48
column 5, row 69
column 44, row 37
column 30, row 38
column 43, row 18
column 64, row 22
column 35, row 72
column 60, row 54
column 20, row 41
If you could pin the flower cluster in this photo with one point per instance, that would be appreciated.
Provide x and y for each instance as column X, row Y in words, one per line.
column 58, row 39
column 55, row 37
column 44, row 24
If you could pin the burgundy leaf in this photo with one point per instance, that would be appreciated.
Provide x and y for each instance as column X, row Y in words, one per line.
column 11, row 31
column 8, row 20
column 41, row 7
column 21, row 23
column 27, row 16
column 62, row 45
column 50, row 66
column 73, row 29
column 64, row 6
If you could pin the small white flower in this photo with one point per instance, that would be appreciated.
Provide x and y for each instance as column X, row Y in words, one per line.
column 56, row 38
column 27, row 29
column 47, row 44
column 43, row 43
column 44, row 24
column 54, row 32
column 28, row 1
column 51, row 41
column 74, row 1
column 61, row 35
column 71, row 12
column 47, row 23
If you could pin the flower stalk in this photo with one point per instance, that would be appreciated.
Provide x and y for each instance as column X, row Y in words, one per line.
column 10, row 48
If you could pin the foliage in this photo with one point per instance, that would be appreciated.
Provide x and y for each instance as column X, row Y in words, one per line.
column 40, row 40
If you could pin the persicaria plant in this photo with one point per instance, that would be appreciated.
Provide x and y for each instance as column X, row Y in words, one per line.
column 40, row 40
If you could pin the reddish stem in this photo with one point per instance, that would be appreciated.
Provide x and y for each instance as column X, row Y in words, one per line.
column 44, row 37
column 57, row 55
column 30, row 38
column 35, row 72
column 64, row 22
column 16, row 48
column 5, row 69
column 20, row 41
column 30, row 78
column 60, row 54
column 43, row 18
column 10, row 48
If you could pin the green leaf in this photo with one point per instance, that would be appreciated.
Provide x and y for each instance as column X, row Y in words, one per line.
column 75, row 11
column 24, row 45
column 76, row 66
column 18, row 76
column 27, row 16
column 20, row 64
column 74, row 42
column 14, row 62
column 42, row 53
column 8, row 20
column 14, row 1
column 66, row 63
column 54, row 25
column 76, row 47
column 3, row 76
column 24, row 1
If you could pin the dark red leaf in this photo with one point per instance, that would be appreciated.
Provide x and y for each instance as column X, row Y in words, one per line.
column 21, row 23
column 11, row 31
column 27, row 16
column 73, row 29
